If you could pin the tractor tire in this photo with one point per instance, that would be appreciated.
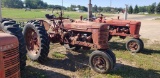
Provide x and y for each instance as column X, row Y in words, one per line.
column 100, row 61
column 142, row 43
column 112, row 56
column 37, row 41
column 134, row 45
column 10, row 26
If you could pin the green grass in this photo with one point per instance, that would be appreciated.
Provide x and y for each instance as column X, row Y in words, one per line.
column 22, row 15
column 58, row 55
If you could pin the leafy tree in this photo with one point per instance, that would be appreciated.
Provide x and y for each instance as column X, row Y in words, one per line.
column 78, row 6
column 130, row 11
column 100, row 9
column 73, row 7
column 158, row 8
column 136, row 9
column 152, row 8
column 95, row 8
column 35, row 4
column 143, row 9
column 12, row 3
column 83, row 8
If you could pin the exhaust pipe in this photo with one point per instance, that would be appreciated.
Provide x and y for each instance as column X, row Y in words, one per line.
column 0, row 15
column 0, row 11
column 89, row 10
column 126, row 12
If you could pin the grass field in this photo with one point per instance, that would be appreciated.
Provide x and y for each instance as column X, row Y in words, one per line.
column 22, row 15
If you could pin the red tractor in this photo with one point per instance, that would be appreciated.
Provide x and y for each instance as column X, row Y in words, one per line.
column 75, row 35
column 12, row 48
column 123, row 29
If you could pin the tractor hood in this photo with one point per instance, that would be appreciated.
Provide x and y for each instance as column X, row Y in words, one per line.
column 7, row 42
column 119, row 22
column 85, row 26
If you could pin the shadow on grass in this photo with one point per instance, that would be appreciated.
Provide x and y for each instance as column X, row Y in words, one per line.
column 126, row 71
column 122, row 46
column 32, row 72
column 71, row 63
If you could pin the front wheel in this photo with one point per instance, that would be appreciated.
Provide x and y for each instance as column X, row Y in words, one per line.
column 101, row 61
column 142, row 43
column 134, row 45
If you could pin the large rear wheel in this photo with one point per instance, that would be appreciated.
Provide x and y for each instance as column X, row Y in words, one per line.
column 37, row 41
column 10, row 26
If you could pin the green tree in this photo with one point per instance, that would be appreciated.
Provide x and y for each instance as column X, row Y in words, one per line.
column 100, row 9
column 73, row 7
column 95, row 8
column 136, row 9
column 142, row 9
column 83, row 8
column 152, row 8
column 130, row 11
column 12, row 3
column 158, row 8
column 35, row 4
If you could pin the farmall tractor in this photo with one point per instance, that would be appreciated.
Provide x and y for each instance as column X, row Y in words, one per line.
column 12, row 48
column 123, row 29
column 74, row 34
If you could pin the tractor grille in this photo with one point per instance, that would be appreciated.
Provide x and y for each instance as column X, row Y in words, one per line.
column 11, row 63
column 12, row 71
column 10, row 53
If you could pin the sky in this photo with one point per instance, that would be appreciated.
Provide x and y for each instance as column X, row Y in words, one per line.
column 103, row 3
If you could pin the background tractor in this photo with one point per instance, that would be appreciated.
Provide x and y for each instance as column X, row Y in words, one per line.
column 12, row 48
column 73, row 35
column 123, row 29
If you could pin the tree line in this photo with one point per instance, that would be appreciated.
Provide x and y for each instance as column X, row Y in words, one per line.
column 34, row 4
column 151, row 9
column 39, row 4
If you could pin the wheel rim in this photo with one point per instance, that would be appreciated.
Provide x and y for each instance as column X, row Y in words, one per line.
column 32, row 41
column 133, row 46
column 99, row 63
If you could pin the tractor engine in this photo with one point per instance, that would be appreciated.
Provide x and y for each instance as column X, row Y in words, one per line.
column 87, row 34
column 119, row 29
column 9, row 56
column 124, row 28
column 72, row 36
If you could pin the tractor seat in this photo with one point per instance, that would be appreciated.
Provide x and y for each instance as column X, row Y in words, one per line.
column 49, row 16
